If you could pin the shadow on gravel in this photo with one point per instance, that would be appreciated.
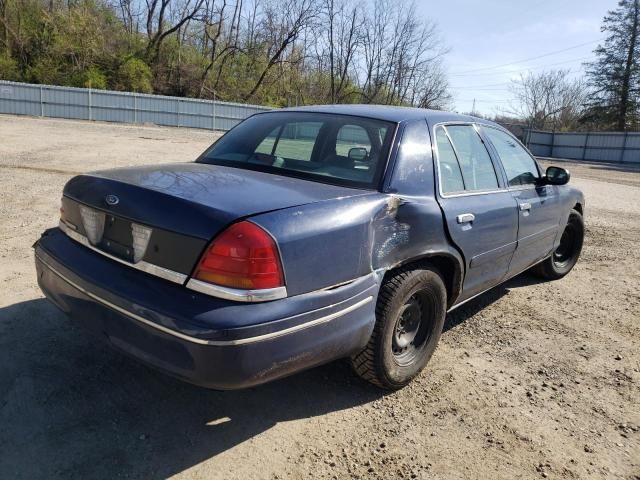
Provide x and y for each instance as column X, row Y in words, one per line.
column 469, row 309
column 70, row 407
column 73, row 407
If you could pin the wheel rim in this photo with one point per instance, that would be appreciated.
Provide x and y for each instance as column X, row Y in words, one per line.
column 565, row 252
column 412, row 329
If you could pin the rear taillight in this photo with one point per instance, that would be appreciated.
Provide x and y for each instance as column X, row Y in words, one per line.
column 243, row 256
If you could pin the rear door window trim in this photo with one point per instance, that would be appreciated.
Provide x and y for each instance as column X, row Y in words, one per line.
column 496, row 166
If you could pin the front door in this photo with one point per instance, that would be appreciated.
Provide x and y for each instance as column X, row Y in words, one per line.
column 479, row 210
column 538, row 212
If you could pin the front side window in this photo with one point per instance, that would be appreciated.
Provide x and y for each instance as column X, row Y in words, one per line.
column 329, row 148
column 477, row 169
column 520, row 167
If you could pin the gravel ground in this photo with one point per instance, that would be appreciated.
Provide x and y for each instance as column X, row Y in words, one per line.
column 531, row 380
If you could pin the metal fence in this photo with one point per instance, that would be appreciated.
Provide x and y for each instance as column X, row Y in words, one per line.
column 593, row 146
column 109, row 106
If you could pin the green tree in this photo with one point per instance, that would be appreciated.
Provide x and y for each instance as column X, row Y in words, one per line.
column 615, row 75
column 135, row 76
column 9, row 69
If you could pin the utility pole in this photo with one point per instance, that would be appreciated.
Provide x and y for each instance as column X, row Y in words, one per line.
column 473, row 109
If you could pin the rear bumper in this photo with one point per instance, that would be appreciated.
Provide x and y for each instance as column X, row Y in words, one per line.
column 210, row 342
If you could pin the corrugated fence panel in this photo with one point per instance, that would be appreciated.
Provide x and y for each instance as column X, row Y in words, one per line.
column 568, row 140
column 113, row 107
column 108, row 106
column 605, row 140
column 572, row 153
column 632, row 150
column 594, row 146
column 568, row 145
column 540, row 143
column 19, row 100
column 65, row 103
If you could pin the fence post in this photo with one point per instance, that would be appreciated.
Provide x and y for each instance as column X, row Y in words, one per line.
column 41, row 103
column 178, row 113
column 553, row 142
column 584, row 148
column 624, row 146
column 214, row 110
column 89, row 103
column 135, row 108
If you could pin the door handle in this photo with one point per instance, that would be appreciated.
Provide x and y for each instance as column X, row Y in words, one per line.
column 465, row 218
column 526, row 206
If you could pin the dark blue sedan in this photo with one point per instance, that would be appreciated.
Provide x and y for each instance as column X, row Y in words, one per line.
column 307, row 235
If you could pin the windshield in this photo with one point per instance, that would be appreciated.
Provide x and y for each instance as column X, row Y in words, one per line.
column 328, row 148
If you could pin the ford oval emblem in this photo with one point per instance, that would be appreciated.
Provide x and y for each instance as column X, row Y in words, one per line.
column 111, row 200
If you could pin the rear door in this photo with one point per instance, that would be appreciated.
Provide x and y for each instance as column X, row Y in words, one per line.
column 538, row 206
column 479, row 210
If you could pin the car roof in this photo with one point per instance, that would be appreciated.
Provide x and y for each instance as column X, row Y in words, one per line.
column 389, row 113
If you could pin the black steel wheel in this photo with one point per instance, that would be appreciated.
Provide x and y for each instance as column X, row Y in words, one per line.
column 412, row 328
column 566, row 255
column 410, row 315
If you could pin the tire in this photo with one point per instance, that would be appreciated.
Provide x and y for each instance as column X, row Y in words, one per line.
column 564, row 258
column 410, row 315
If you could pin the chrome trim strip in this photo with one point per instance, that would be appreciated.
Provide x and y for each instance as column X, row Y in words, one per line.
column 146, row 267
column 200, row 341
column 237, row 294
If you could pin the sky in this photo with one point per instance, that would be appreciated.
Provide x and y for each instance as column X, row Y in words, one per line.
column 489, row 39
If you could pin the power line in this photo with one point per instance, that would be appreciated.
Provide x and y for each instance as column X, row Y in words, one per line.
column 480, row 100
column 489, row 89
column 526, row 59
column 535, row 67
column 483, row 85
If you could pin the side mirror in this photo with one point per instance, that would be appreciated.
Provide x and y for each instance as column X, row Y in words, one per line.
column 358, row 154
column 556, row 176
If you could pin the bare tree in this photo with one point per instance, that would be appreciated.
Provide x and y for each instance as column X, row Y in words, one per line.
column 549, row 99
column 283, row 24
column 400, row 54
column 4, row 26
column 221, row 38
column 165, row 17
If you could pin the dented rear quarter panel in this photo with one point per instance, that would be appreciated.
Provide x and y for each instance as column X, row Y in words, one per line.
column 331, row 242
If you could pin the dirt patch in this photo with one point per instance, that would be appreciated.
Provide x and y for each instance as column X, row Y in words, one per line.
column 531, row 380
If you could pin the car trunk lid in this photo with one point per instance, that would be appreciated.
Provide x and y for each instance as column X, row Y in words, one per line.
column 176, row 209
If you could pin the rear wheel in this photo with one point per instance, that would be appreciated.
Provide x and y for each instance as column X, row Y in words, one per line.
column 566, row 255
column 409, row 318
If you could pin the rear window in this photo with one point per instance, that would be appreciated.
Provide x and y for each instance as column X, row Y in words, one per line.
column 338, row 149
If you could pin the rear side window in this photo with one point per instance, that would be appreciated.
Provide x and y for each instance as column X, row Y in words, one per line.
column 450, row 173
column 294, row 141
column 297, row 140
column 520, row 167
column 352, row 137
column 465, row 165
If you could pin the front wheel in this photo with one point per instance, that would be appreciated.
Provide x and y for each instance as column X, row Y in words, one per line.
column 410, row 315
column 566, row 255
